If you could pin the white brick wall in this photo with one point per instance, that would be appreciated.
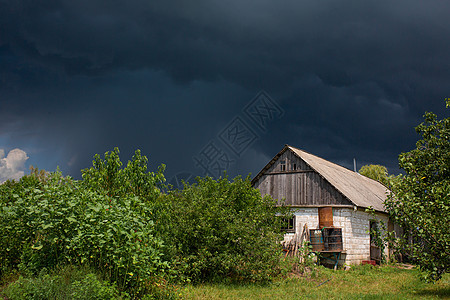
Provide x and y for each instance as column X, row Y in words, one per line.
column 355, row 230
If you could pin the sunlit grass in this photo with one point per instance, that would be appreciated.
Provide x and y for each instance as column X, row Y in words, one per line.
column 363, row 282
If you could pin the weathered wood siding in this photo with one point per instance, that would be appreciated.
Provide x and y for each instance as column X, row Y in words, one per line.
column 301, row 186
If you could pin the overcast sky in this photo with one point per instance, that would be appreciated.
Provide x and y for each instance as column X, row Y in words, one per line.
column 217, row 84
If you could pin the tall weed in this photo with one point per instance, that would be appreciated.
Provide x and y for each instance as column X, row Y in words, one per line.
column 64, row 283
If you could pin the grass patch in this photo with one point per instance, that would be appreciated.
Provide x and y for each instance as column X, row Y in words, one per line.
column 63, row 283
column 361, row 282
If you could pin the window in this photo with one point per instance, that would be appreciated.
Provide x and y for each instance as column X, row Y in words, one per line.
column 294, row 167
column 288, row 225
column 283, row 165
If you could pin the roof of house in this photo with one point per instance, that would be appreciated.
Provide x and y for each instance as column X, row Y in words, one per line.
column 359, row 189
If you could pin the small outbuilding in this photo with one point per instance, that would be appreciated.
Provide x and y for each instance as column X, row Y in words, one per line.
column 329, row 203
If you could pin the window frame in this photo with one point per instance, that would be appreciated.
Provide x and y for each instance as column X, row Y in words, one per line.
column 283, row 165
column 288, row 224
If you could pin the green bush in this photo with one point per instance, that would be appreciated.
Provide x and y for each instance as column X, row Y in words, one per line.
column 116, row 219
column 44, row 223
column 107, row 177
column 217, row 229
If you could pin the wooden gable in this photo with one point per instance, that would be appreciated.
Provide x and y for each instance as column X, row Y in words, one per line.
column 291, row 178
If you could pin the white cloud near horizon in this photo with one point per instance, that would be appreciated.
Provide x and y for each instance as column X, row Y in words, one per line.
column 12, row 166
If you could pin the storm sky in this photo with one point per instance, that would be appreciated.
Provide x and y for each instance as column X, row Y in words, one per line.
column 184, row 81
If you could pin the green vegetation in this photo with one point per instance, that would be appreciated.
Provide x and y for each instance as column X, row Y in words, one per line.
column 119, row 222
column 53, row 221
column 360, row 282
column 376, row 172
column 61, row 284
column 145, row 240
column 107, row 177
column 420, row 201
column 217, row 229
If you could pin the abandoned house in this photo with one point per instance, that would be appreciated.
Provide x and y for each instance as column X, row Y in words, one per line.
column 329, row 204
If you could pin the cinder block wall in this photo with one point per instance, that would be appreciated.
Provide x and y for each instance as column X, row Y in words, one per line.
column 355, row 227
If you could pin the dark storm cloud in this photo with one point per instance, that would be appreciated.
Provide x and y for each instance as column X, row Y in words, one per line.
column 342, row 43
column 353, row 77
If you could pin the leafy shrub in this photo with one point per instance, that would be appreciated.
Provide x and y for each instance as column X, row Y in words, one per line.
column 116, row 219
column 56, row 220
column 218, row 229
column 16, row 236
column 107, row 177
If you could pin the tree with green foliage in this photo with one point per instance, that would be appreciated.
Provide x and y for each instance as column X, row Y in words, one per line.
column 376, row 172
column 221, row 229
column 420, row 201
